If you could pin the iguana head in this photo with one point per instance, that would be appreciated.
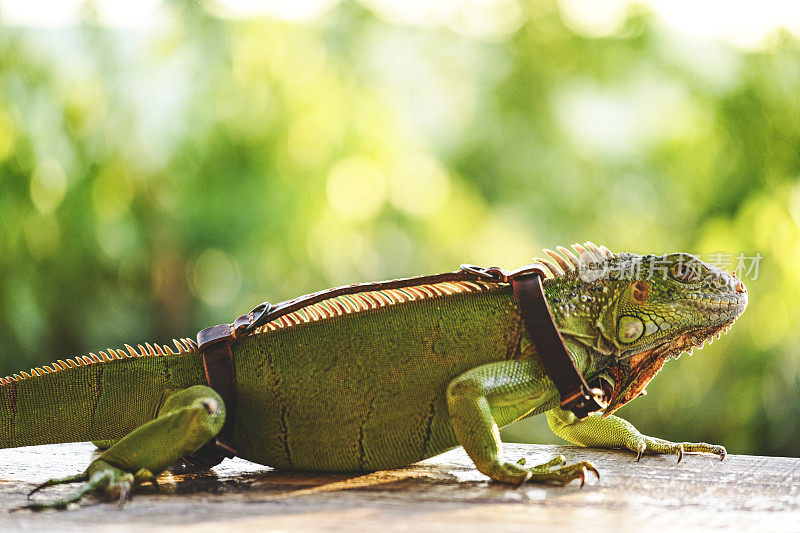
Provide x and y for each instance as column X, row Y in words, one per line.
column 645, row 310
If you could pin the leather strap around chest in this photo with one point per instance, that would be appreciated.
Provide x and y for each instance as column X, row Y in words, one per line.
column 575, row 393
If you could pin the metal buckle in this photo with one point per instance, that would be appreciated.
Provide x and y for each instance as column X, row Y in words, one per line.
column 248, row 323
column 492, row 273
column 260, row 315
column 502, row 275
column 585, row 402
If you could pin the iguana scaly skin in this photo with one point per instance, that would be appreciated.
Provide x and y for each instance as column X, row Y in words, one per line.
column 385, row 378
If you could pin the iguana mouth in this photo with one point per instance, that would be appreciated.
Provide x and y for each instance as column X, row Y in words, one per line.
column 719, row 308
column 707, row 301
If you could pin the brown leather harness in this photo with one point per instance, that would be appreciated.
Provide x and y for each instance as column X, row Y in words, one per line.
column 215, row 343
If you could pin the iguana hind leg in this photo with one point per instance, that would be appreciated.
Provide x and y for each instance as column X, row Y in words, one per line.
column 187, row 420
column 615, row 432
column 509, row 390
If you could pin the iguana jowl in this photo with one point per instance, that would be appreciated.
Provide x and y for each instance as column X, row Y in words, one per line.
column 381, row 379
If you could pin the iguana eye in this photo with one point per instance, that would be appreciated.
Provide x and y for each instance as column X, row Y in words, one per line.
column 630, row 329
column 685, row 272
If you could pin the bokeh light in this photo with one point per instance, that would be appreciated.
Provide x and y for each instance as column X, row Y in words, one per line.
column 166, row 166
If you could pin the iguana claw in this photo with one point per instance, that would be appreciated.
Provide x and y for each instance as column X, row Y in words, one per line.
column 125, row 493
column 640, row 451
column 587, row 467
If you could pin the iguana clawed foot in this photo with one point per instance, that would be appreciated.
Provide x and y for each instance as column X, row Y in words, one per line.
column 614, row 432
column 554, row 471
column 99, row 477
column 653, row 445
column 187, row 420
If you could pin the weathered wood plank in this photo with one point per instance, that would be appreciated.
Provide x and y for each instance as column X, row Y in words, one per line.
column 442, row 494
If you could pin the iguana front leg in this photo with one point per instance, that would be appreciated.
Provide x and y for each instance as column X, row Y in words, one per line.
column 187, row 420
column 615, row 432
column 510, row 389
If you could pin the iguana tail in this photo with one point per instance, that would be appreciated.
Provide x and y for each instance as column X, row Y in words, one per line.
column 94, row 397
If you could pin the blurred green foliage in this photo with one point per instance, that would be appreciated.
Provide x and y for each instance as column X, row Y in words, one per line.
column 157, row 181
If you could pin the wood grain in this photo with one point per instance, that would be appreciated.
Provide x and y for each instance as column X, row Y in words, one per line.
column 747, row 493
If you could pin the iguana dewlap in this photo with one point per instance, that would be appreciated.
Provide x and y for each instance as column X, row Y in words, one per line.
column 383, row 379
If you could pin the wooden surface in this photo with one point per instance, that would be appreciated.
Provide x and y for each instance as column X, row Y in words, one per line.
column 442, row 494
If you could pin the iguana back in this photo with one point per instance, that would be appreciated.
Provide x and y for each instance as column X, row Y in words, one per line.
column 366, row 387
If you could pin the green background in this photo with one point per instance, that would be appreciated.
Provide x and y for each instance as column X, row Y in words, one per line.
column 157, row 181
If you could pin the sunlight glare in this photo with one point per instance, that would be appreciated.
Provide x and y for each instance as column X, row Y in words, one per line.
column 741, row 23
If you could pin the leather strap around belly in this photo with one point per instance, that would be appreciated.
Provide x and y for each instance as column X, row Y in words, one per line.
column 215, row 346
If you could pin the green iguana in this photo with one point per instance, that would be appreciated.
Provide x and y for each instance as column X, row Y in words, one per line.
column 382, row 379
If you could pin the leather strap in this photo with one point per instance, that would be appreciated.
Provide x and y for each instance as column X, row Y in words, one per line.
column 526, row 281
column 214, row 345
column 267, row 312
column 575, row 393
